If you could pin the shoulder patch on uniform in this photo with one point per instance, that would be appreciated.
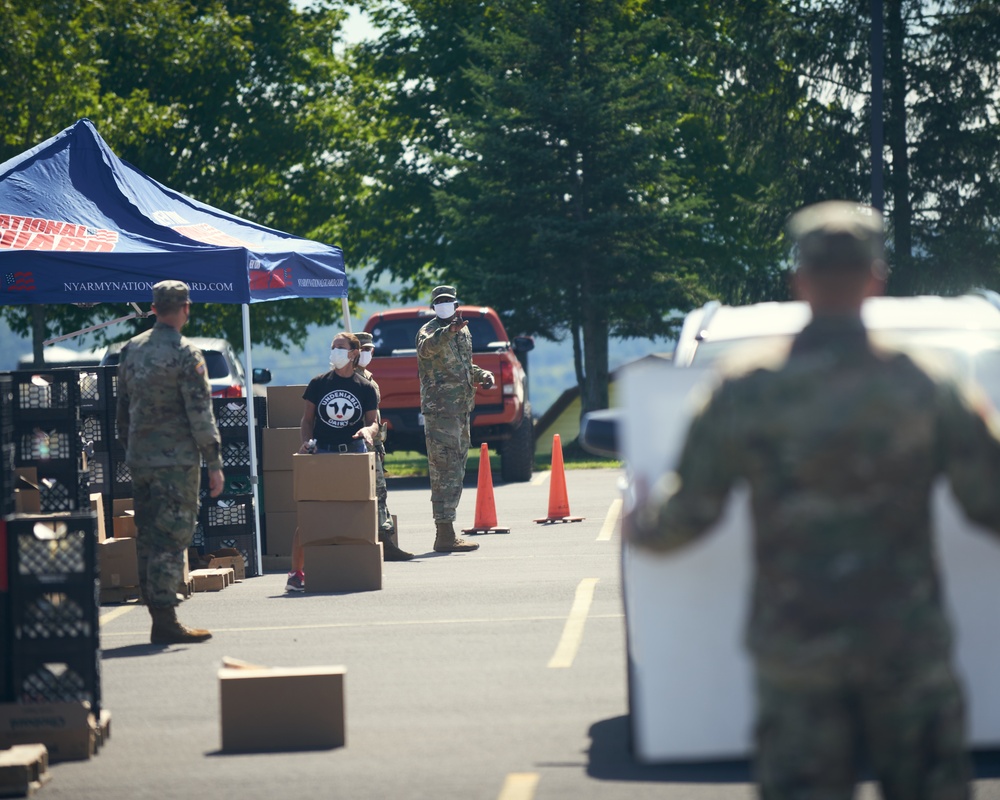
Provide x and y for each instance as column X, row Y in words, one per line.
column 200, row 366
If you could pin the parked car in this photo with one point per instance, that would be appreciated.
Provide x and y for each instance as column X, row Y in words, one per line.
column 502, row 416
column 225, row 370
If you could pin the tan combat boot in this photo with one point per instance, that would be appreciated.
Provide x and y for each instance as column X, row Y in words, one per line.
column 167, row 630
column 447, row 542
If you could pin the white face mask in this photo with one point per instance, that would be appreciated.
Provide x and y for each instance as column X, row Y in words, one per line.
column 445, row 310
column 365, row 358
column 339, row 358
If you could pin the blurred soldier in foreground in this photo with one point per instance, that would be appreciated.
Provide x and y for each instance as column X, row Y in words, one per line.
column 448, row 381
column 840, row 441
column 385, row 526
column 166, row 423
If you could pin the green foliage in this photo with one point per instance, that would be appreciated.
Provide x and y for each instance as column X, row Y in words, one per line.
column 231, row 101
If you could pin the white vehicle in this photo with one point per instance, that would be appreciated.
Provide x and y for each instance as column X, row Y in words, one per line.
column 690, row 688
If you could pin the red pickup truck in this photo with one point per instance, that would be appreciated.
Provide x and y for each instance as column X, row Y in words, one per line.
column 502, row 416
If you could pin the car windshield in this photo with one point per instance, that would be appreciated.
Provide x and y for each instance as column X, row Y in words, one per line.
column 971, row 353
column 392, row 335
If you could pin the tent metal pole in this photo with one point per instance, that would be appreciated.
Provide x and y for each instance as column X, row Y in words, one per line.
column 347, row 314
column 251, row 433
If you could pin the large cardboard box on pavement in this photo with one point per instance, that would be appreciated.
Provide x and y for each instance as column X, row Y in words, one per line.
column 278, row 446
column 279, row 495
column 343, row 567
column 123, row 518
column 338, row 522
column 284, row 406
column 119, row 563
column 280, row 529
column 344, row 477
column 279, row 709
column 68, row 730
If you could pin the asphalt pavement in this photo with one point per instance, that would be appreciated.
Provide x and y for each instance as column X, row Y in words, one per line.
column 493, row 675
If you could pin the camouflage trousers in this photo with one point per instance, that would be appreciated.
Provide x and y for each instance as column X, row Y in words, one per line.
column 381, row 490
column 166, row 512
column 911, row 728
column 447, row 453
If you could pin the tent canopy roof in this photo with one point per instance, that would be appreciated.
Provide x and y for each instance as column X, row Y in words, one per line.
column 80, row 225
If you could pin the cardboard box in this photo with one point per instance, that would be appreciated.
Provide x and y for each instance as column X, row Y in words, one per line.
column 338, row 523
column 285, row 406
column 97, row 506
column 67, row 730
column 27, row 495
column 275, row 709
column 119, row 563
column 123, row 518
column 235, row 563
column 280, row 527
column 211, row 580
column 278, row 491
column 343, row 567
column 277, row 448
column 276, row 563
column 345, row 477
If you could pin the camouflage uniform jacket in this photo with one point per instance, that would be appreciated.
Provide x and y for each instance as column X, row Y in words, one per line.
column 448, row 378
column 165, row 413
column 840, row 442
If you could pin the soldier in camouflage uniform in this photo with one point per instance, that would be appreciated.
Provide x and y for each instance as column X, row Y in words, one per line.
column 840, row 441
column 166, row 423
column 391, row 551
column 448, row 381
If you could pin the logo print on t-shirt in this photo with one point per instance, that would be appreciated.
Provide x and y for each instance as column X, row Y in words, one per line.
column 339, row 409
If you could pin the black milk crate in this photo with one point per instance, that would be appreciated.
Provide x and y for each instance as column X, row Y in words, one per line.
column 5, row 693
column 235, row 454
column 6, row 406
column 231, row 416
column 237, row 482
column 45, row 620
column 95, row 433
column 244, row 543
column 227, row 514
column 96, row 390
column 54, row 442
column 120, row 476
column 54, row 551
column 61, row 490
column 45, row 395
column 73, row 676
column 110, row 475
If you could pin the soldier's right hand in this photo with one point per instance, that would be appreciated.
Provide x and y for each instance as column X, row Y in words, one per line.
column 458, row 324
column 216, row 482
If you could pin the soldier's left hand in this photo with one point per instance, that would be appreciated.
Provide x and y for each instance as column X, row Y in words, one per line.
column 489, row 381
column 216, row 482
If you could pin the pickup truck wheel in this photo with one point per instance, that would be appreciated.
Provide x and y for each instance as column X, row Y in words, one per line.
column 517, row 454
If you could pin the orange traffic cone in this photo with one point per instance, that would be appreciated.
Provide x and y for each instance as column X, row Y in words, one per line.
column 486, row 507
column 558, row 499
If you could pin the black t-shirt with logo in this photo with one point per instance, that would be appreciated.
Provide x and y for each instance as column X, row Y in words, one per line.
column 341, row 405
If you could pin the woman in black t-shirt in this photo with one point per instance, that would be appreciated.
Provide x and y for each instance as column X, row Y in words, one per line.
column 341, row 413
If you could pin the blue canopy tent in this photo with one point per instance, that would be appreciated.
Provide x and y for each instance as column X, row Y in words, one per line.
column 80, row 225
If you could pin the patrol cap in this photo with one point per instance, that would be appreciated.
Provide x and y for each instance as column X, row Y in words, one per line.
column 366, row 339
column 443, row 293
column 837, row 234
column 170, row 295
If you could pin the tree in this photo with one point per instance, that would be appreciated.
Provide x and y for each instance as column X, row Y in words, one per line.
column 233, row 102
column 546, row 167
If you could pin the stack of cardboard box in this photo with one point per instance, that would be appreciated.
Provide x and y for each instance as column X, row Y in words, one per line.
column 280, row 440
column 338, row 521
column 117, row 553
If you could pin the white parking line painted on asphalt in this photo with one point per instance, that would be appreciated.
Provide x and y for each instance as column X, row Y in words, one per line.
column 540, row 478
column 610, row 521
column 115, row 613
column 519, row 786
column 381, row 623
column 572, row 633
